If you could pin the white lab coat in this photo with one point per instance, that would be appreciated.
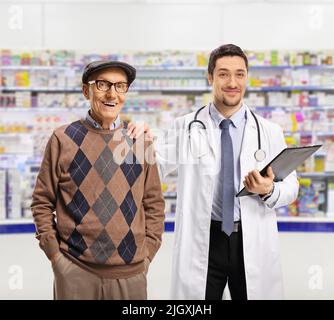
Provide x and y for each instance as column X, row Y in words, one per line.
column 195, row 188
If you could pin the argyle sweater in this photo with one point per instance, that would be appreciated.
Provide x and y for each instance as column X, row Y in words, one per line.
column 105, row 191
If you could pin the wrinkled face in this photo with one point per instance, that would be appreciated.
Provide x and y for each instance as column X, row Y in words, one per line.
column 105, row 105
column 229, row 80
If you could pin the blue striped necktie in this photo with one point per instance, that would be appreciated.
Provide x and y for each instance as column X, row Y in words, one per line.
column 227, row 174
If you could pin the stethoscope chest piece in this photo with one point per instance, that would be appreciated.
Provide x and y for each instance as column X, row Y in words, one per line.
column 259, row 155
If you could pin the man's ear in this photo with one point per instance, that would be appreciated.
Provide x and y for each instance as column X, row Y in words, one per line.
column 85, row 91
column 210, row 78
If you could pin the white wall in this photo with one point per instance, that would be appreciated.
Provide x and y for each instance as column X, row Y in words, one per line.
column 279, row 26
column 155, row 25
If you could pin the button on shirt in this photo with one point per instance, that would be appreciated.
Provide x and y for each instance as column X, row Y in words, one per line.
column 236, row 130
column 96, row 125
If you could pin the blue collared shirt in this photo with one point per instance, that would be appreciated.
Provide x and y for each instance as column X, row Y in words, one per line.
column 96, row 125
column 237, row 132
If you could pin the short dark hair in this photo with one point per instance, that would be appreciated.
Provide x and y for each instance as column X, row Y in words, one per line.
column 223, row 51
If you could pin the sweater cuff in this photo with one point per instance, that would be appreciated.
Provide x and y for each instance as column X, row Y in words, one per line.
column 49, row 244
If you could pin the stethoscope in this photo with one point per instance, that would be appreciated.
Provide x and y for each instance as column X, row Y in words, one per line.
column 259, row 154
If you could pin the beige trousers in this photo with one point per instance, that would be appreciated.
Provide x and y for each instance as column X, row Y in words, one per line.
column 72, row 282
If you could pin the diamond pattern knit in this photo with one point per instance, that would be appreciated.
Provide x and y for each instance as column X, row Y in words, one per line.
column 103, row 196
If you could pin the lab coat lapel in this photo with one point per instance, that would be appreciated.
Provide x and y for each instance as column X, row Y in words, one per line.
column 205, row 117
column 249, row 146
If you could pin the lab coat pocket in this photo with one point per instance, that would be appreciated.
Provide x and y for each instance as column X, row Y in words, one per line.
column 208, row 165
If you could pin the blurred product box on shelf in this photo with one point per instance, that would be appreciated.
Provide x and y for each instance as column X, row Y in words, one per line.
column 13, row 194
column 311, row 200
column 3, row 212
column 319, row 162
column 330, row 199
column 31, row 170
column 16, row 144
column 17, row 182
column 329, row 149
column 170, row 208
column 256, row 99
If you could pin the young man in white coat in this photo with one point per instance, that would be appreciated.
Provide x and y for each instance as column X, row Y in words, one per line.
column 220, row 238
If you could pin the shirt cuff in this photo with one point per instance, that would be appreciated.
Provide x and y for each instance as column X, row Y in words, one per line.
column 273, row 198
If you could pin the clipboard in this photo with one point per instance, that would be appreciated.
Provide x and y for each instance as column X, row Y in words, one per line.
column 284, row 163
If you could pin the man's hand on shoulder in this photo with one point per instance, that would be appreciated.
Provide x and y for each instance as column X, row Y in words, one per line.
column 136, row 129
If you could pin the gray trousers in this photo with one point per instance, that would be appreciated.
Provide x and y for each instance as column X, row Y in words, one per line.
column 71, row 282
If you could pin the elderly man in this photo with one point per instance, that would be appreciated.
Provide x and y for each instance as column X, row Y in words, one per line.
column 105, row 191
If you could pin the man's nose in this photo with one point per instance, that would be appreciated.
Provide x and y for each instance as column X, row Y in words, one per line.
column 111, row 92
column 232, row 81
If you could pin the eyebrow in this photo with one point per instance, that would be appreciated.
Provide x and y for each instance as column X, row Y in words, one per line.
column 224, row 69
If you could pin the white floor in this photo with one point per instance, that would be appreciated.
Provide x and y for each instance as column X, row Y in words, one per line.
column 308, row 267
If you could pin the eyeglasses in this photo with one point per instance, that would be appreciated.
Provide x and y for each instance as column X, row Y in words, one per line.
column 104, row 85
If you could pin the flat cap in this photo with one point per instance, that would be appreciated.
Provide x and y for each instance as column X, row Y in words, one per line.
column 94, row 66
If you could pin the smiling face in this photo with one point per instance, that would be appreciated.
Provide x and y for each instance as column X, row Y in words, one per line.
column 229, row 81
column 105, row 105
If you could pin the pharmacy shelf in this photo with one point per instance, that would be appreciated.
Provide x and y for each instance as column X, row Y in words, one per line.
column 17, row 226
column 295, row 108
column 171, row 67
column 174, row 89
column 165, row 72
column 78, row 67
column 307, row 132
column 317, row 68
column 290, row 88
column 41, row 89
column 170, row 195
column 132, row 89
column 316, row 175
column 306, row 224
column 324, row 133
column 42, row 109
column 125, row 110
column 319, row 219
column 27, row 226
column 142, row 108
column 14, row 134
column 285, row 224
column 30, row 67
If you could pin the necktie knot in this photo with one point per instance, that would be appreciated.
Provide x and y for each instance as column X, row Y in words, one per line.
column 225, row 124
